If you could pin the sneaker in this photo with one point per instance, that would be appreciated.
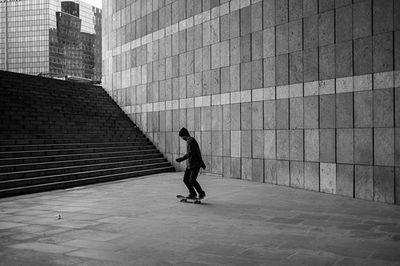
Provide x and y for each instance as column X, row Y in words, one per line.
column 191, row 196
column 202, row 195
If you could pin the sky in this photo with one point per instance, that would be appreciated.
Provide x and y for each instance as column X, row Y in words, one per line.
column 96, row 3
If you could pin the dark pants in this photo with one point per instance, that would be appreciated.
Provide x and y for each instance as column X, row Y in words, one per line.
column 190, row 181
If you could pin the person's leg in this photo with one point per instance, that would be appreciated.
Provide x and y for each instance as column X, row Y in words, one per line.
column 193, row 181
column 186, row 180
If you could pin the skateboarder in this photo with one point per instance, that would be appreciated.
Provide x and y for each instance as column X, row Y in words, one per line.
column 193, row 164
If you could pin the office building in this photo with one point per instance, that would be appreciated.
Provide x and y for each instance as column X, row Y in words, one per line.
column 51, row 38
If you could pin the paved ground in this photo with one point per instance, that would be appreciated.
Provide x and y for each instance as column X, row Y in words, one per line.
column 140, row 222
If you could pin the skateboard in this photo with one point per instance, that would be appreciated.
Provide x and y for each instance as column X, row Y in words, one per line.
column 186, row 199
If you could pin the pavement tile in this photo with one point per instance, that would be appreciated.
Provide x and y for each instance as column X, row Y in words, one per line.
column 239, row 223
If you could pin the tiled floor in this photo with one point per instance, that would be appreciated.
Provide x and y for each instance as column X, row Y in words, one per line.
column 140, row 222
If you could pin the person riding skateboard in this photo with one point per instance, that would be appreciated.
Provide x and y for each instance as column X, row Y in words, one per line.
column 193, row 164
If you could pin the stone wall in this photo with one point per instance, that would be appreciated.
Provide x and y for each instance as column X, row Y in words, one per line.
column 301, row 93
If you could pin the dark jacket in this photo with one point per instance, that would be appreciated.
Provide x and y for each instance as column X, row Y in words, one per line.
column 193, row 155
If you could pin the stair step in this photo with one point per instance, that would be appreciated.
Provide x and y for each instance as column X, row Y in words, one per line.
column 57, row 134
column 76, row 168
column 22, row 160
column 70, row 145
column 80, row 182
column 57, row 164
column 10, row 183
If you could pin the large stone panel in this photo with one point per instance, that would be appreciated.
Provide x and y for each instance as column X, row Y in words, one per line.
column 327, row 62
column 235, row 143
column 363, row 146
column 344, row 23
column 225, row 79
column 256, row 17
column 296, row 67
column 268, row 13
column 384, row 184
column 344, row 146
column 326, row 28
column 245, row 116
column 281, row 11
column 295, row 35
column 310, row 7
column 216, row 118
column 311, row 111
column 246, row 146
column 296, row 174
column 282, row 69
column 234, row 54
column 226, row 117
column 363, row 184
column 234, row 27
column 206, row 142
column 225, row 53
column 328, row 178
column 216, row 143
column 363, row 109
column 258, row 144
column 245, row 20
column 327, row 147
column 216, row 165
column 310, row 25
column 310, row 64
column 311, row 145
column 282, row 173
column 256, row 74
column 269, row 72
column 383, row 52
column 296, row 113
column 224, row 27
column 296, row 145
column 383, row 108
column 345, row 179
column 270, row 171
column 258, row 170
column 363, row 55
column 344, row 110
column 397, row 147
column 257, row 115
column 362, row 23
column 282, row 114
column 269, row 114
column 327, row 104
column 235, row 167
column 245, row 76
column 268, row 42
column 247, row 168
column 226, row 143
column 235, row 77
column 384, row 146
column 295, row 9
column 257, row 45
column 269, row 144
column 282, row 39
column 311, row 176
column 282, row 144
column 235, row 116
column 226, row 167
column 344, row 59
column 382, row 16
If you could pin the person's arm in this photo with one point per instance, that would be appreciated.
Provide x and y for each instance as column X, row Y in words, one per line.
column 187, row 155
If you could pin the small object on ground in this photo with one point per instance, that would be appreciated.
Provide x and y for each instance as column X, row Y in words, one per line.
column 189, row 199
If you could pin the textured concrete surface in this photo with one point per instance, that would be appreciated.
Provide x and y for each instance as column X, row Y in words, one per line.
column 140, row 222
column 326, row 65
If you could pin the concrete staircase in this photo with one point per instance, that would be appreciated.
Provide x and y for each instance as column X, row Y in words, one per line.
column 58, row 134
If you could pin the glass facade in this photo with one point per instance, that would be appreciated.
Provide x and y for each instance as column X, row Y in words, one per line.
column 51, row 37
